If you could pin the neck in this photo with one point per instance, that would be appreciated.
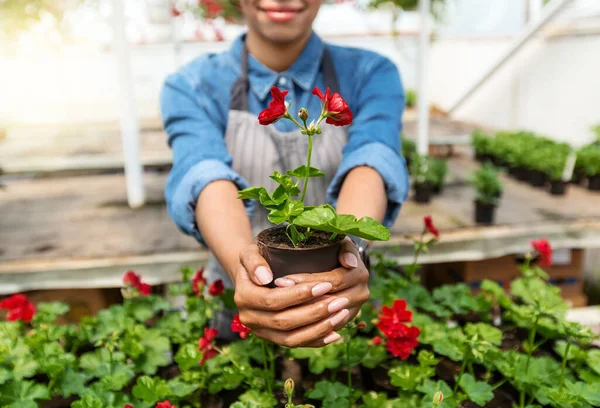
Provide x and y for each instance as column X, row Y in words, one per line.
column 277, row 57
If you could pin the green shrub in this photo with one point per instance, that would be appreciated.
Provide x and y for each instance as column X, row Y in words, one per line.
column 487, row 183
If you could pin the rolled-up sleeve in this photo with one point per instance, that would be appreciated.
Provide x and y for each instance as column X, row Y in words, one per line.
column 374, row 136
column 196, row 136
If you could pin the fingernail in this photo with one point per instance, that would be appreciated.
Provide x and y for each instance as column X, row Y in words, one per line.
column 331, row 338
column 321, row 289
column 337, row 305
column 339, row 317
column 263, row 275
column 284, row 283
column 351, row 259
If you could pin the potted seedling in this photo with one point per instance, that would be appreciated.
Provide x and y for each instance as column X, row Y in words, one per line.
column 489, row 189
column 423, row 177
column 589, row 157
column 556, row 163
column 482, row 144
column 409, row 148
column 439, row 170
column 306, row 239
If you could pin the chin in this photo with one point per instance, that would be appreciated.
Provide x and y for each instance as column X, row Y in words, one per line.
column 282, row 36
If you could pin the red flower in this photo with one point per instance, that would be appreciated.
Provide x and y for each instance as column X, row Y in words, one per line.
column 377, row 340
column 198, row 281
column 132, row 279
column 392, row 317
column 174, row 13
column 403, row 341
column 276, row 109
column 213, row 8
column 19, row 308
column 429, row 227
column 542, row 246
column 216, row 288
column 145, row 289
column 337, row 110
column 207, row 355
column 128, row 406
column 165, row 404
column 238, row 327
column 205, row 342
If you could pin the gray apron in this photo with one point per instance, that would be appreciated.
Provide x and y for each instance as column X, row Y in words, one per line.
column 258, row 150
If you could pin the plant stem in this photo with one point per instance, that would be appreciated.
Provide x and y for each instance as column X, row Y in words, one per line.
column 529, row 353
column 266, row 362
column 564, row 363
column 290, row 117
column 460, row 374
column 499, row 384
column 307, row 168
column 349, row 373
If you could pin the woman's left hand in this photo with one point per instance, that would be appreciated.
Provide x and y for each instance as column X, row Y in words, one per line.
column 351, row 281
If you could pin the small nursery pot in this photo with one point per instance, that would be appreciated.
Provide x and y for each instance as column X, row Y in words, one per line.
column 423, row 193
column 320, row 255
column 594, row 183
column 484, row 213
column 523, row 174
column 558, row 187
column 438, row 188
column 537, row 178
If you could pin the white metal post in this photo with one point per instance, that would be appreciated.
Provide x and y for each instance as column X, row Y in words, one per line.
column 130, row 133
column 423, row 75
column 535, row 10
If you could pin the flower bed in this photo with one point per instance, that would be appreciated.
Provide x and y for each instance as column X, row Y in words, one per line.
column 409, row 347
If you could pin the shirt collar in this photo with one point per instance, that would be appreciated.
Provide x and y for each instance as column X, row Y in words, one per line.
column 303, row 71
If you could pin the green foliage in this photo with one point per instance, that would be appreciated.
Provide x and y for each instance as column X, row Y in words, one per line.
column 422, row 170
column 481, row 142
column 487, row 184
column 411, row 98
column 588, row 159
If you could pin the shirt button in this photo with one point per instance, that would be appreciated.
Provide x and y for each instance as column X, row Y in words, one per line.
column 282, row 81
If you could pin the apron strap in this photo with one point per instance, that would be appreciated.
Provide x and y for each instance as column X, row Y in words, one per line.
column 239, row 90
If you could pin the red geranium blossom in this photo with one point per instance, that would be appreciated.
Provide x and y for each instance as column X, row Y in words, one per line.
column 542, row 246
column 165, row 404
column 128, row 406
column 276, row 109
column 337, row 110
column 19, row 308
column 429, row 227
column 207, row 355
column 132, row 279
column 392, row 317
column 205, row 344
column 216, row 288
column 403, row 341
column 377, row 340
column 238, row 327
column 198, row 281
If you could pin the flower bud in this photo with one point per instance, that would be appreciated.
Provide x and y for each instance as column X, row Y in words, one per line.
column 437, row 398
column 303, row 114
column 361, row 325
column 289, row 387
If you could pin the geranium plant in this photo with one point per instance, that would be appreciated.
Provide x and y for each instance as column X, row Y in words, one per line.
column 286, row 204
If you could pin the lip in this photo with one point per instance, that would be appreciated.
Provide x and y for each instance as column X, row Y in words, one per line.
column 281, row 14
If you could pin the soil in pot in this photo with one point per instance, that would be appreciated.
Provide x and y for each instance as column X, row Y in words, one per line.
column 423, row 193
column 537, row 178
column 594, row 183
column 484, row 213
column 558, row 187
column 317, row 254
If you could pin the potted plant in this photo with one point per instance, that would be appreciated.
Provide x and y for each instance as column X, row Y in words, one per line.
column 439, row 170
column 589, row 157
column 423, row 177
column 554, row 167
column 489, row 188
column 409, row 147
column 305, row 239
column 482, row 144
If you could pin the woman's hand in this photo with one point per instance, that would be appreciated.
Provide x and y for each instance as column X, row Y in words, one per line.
column 298, row 315
column 351, row 281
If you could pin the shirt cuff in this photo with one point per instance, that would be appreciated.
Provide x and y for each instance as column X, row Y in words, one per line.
column 182, row 206
column 389, row 164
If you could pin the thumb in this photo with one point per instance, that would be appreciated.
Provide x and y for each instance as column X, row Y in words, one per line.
column 256, row 266
column 348, row 254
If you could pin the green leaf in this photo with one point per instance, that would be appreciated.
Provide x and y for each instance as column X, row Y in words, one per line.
column 593, row 360
column 286, row 183
column 324, row 218
column 537, row 291
column 227, row 378
column 251, row 193
column 156, row 350
column 375, row 400
column 575, row 352
column 300, row 172
column 261, row 400
column 227, row 299
column 493, row 288
column 451, row 344
column 485, row 331
column 88, row 401
column 180, row 389
column 588, row 376
column 427, row 358
column 118, row 378
column 22, row 393
column 409, row 377
column 429, row 388
column 5, row 375
column 319, row 359
column 332, row 394
column 150, row 390
column 291, row 208
column 479, row 392
column 459, row 299
column 72, row 382
column 589, row 392
column 187, row 356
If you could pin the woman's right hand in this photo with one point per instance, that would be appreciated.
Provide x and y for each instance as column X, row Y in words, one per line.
column 296, row 316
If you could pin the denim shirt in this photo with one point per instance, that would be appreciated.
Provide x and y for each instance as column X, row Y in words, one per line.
column 195, row 102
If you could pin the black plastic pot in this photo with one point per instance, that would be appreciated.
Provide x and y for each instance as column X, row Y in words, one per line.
column 438, row 189
column 558, row 187
column 514, row 172
column 523, row 174
column 484, row 213
column 594, row 183
column 537, row 178
column 423, row 193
